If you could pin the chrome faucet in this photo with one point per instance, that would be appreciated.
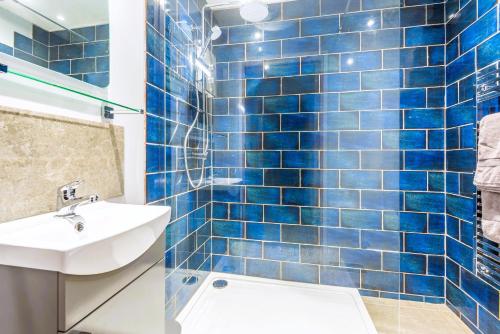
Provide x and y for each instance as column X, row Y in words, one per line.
column 68, row 202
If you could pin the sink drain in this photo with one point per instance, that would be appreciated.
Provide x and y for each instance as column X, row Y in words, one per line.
column 220, row 284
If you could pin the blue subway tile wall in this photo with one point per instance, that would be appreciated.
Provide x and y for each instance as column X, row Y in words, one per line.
column 337, row 110
column 170, row 108
column 472, row 44
column 66, row 52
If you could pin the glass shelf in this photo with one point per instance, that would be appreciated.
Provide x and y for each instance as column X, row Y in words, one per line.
column 4, row 69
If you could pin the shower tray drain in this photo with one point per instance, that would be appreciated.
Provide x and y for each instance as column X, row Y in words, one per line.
column 220, row 284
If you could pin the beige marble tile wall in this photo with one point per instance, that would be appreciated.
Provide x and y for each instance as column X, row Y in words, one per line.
column 39, row 153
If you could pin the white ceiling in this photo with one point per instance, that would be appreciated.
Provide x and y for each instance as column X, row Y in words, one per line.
column 76, row 13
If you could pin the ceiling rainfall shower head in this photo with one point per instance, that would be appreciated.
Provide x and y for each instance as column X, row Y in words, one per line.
column 254, row 11
column 215, row 33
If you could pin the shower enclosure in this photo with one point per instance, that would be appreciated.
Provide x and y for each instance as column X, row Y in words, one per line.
column 327, row 150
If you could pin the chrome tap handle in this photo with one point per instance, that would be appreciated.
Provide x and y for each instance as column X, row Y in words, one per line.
column 67, row 193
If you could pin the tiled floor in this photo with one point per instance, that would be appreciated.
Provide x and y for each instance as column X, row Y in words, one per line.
column 405, row 317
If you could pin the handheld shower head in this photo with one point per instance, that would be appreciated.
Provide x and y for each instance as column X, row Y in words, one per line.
column 215, row 33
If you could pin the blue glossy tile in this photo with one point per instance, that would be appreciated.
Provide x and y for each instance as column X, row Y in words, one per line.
column 300, row 196
column 361, row 21
column 281, row 214
column 245, row 248
column 404, row 262
column 227, row 229
column 227, row 53
column 319, row 255
column 340, row 198
column 418, row 201
column 424, row 118
column 381, row 79
column 155, row 130
column 263, row 87
column 299, row 234
column 339, row 121
column 61, row 66
column 281, row 251
column 361, row 179
column 263, row 268
column 319, row 216
column 320, row 64
column 299, row 122
column 380, row 240
column 155, row 187
column 405, row 180
column 339, row 160
column 243, row 34
column 260, row 231
column 487, row 322
column 361, row 61
column 282, row 177
column 359, row 140
column 424, row 243
column 340, row 277
column 404, row 58
column 245, row 70
column 246, row 212
column 379, row 280
column 300, row 84
column 436, row 55
column 404, row 17
column 228, row 264
column 425, row 35
column 245, row 141
column 318, row 140
column 228, row 194
column 436, row 265
column 263, row 50
column 458, row 22
column 461, row 67
column 381, row 39
column 381, row 200
column 363, row 219
column 281, row 141
column 247, row 106
column 341, row 237
column 424, row 160
column 368, row 100
column 405, row 221
column 94, row 49
column 404, row 98
column 248, row 176
column 228, row 159
column 320, row 25
column 488, row 51
column 392, row 160
column 155, row 72
column 300, row 159
column 300, row 272
column 281, row 67
column 305, row 8
column 262, row 195
column 404, row 139
column 424, row 77
column 340, row 6
column 23, row 43
column 281, row 29
column 340, row 82
column 461, row 160
column 258, row 123
column 461, row 301
column 281, row 104
column 231, row 88
column 379, row 4
column 360, row 258
column 155, row 159
column 336, row 43
column 263, row 159
column 376, row 120
column 6, row 49
column 319, row 178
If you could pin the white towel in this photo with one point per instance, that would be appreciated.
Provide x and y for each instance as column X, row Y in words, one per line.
column 487, row 177
column 490, row 221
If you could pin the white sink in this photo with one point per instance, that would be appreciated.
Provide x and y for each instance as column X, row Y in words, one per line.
column 114, row 236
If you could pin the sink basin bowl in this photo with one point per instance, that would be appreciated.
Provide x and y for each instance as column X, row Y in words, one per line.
column 114, row 236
